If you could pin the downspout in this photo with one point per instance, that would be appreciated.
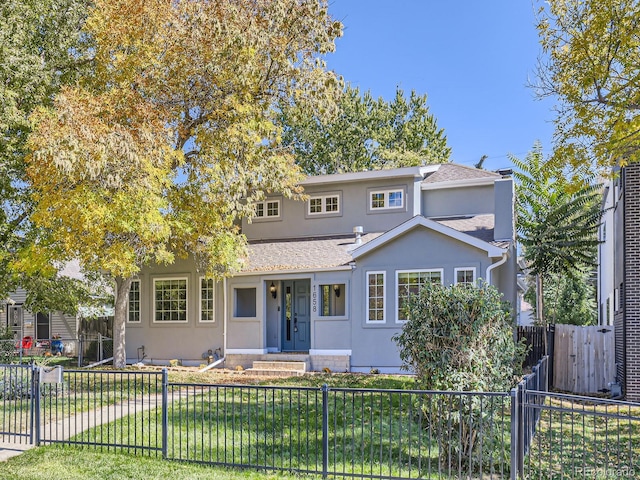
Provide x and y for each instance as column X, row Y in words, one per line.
column 226, row 316
column 221, row 360
column 487, row 278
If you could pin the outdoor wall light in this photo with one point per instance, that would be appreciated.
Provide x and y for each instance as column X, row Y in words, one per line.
column 273, row 290
column 336, row 290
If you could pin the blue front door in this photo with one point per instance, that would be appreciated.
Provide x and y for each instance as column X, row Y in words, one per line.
column 296, row 320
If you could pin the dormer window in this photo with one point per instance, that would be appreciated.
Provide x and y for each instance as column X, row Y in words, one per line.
column 268, row 209
column 325, row 204
column 386, row 199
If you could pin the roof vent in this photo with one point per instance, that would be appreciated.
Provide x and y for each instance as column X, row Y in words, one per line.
column 358, row 231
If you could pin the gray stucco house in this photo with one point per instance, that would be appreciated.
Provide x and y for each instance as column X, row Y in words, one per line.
column 326, row 279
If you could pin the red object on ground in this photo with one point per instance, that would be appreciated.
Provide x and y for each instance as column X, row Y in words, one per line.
column 27, row 342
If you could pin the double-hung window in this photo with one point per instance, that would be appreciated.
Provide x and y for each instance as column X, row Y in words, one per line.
column 207, row 296
column 409, row 282
column 375, row 297
column 133, row 315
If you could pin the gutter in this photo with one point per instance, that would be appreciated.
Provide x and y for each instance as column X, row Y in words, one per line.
column 290, row 271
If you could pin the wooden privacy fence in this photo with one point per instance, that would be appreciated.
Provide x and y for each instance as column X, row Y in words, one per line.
column 584, row 358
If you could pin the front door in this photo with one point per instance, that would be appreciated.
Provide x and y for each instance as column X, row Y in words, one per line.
column 296, row 320
column 16, row 317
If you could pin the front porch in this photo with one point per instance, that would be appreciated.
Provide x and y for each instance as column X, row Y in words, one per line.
column 312, row 363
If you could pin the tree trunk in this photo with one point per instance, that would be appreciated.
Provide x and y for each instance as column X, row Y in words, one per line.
column 119, row 321
column 540, row 310
column 540, row 300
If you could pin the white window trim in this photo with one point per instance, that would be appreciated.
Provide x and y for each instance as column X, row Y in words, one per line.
column 386, row 192
column 265, row 204
column 186, row 307
column 200, row 320
column 139, row 303
column 384, row 297
column 459, row 269
column 323, row 210
column 415, row 270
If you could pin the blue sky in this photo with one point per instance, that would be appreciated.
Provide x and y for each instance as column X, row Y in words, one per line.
column 472, row 58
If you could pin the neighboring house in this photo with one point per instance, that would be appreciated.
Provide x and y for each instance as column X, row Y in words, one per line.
column 41, row 327
column 326, row 279
column 38, row 326
column 619, row 274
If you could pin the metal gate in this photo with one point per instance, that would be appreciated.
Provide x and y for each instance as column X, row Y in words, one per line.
column 17, row 410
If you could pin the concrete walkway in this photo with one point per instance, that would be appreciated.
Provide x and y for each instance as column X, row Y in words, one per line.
column 67, row 427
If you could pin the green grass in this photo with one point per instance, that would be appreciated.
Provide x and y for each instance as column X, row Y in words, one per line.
column 589, row 444
column 69, row 463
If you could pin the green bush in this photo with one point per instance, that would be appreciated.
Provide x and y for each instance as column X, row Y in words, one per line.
column 460, row 338
column 7, row 346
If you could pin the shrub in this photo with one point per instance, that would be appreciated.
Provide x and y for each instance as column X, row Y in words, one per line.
column 460, row 338
column 7, row 346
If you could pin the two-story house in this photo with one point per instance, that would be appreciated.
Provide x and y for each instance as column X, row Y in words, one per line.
column 327, row 278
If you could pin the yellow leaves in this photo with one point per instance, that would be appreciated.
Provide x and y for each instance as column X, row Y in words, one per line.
column 170, row 77
column 593, row 57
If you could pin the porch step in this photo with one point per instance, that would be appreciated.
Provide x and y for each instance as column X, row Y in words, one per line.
column 278, row 368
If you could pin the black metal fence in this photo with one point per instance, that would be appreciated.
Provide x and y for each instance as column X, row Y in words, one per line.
column 108, row 409
column 18, row 388
column 341, row 432
column 333, row 432
column 539, row 340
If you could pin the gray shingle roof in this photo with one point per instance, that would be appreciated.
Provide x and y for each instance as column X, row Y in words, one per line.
column 335, row 251
column 302, row 253
column 478, row 226
column 449, row 172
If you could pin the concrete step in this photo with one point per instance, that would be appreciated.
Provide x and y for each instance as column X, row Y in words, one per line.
column 274, row 373
column 275, row 365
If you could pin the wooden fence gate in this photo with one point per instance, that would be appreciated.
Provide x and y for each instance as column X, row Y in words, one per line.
column 584, row 358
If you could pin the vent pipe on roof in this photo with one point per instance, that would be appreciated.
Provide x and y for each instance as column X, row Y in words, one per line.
column 358, row 233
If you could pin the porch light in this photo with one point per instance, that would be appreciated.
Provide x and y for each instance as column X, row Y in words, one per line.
column 273, row 290
column 336, row 290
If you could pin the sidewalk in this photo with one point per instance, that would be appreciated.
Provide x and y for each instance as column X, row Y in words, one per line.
column 68, row 427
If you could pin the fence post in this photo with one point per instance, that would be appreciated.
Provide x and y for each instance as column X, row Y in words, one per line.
column 551, row 342
column 325, row 430
column 514, row 434
column 80, row 350
column 35, row 405
column 165, row 413
column 517, row 431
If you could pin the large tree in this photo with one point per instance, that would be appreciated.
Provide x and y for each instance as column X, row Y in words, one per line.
column 591, row 65
column 42, row 48
column 174, row 135
column 557, row 221
column 365, row 134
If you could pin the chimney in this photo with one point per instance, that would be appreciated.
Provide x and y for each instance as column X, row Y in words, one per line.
column 358, row 233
